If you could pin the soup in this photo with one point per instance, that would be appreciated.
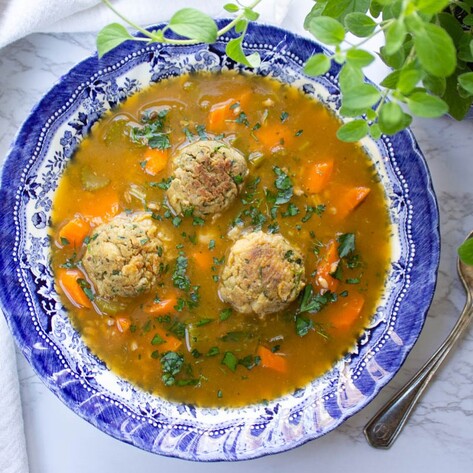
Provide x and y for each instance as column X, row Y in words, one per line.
column 215, row 244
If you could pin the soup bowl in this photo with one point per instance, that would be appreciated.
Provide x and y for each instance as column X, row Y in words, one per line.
column 40, row 323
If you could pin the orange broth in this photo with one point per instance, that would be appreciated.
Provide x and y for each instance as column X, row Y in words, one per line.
column 226, row 358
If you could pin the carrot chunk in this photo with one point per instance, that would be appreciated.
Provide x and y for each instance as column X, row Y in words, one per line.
column 203, row 259
column 274, row 136
column 219, row 116
column 327, row 266
column 162, row 307
column 164, row 341
column 349, row 310
column 155, row 160
column 68, row 282
column 317, row 176
column 222, row 116
column 74, row 232
column 272, row 360
column 348, row 199
column 123, row 323
column 99, row 206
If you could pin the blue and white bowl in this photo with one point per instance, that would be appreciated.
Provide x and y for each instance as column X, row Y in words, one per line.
column 41, row 325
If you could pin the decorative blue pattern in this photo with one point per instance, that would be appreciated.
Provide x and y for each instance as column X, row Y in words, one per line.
column 41, row 326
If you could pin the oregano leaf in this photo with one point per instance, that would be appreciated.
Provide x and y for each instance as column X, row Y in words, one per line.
column 359, row 24
column 436, row 85
column 392, row 119
column 423, row 104
column 390, row 81
column 431, row 7
column 350, row 76
column 326, row 29
column 231, row 7
column 353, row 131
column 194, row 24
column 466, row 81
column 359, row 58
column 110, row 37
column 234, row 50
column 316, row 65
column 395, row 36
column 435, row 50
column 409, row 77
column 361, row 96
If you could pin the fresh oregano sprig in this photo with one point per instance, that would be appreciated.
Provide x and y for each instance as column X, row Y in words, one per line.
column 429, row 50
column 428, row 44
column 193, row 25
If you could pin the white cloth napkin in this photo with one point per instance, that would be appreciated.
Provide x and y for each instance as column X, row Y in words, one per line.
column 19, row 18
column 13, row 457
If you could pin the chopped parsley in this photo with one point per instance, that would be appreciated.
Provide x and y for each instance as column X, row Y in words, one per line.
column 200, row 129
column 211, row 244
column 303, row 325
column 157, row 340
column 165, row 183
column 230, row 361
column 284, row 116
column 171, row 364
column 284, row 186
column 85, row 286
column 312, row 303
column 346, row 244
column 152, row 131
column 197, row 221
column 213, row 351
column 291, row 211
column 203, row 322
column 179, row 277
column 225, row 313
column 311, row 210
column 243, row 119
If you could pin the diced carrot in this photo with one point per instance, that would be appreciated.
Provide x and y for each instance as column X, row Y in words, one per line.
column 349, row 310
column 99, row 206
column 68, row 282
column 222, row 115
column 203, row 259
column 155, row 160
column 327, row 266
column 123, row 323
column 272, row 360
column 162, row 307
column 317, row 176
column 348, row 199
column 74, row 232
column 165, row 342
column 274, row 136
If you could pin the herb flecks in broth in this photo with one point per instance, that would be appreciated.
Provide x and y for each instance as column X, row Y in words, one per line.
column 176, row 337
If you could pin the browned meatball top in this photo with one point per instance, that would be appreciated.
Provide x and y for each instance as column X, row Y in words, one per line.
column 208, row 175
column 263, row 274
column 123, row 256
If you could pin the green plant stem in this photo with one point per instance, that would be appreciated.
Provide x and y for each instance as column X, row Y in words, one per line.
column 372, row 35
column 126, row 20
column 162, row 39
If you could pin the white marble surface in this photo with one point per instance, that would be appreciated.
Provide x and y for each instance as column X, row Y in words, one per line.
column 438, row 437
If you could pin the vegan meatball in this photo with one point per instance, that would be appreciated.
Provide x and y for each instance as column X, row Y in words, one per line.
column 208, row 175
column 123, row 256
column 263, row 274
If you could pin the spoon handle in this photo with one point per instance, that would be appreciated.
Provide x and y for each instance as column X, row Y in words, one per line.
column 383, row 429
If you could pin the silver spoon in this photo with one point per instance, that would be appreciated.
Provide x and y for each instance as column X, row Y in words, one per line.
column 385, row 426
